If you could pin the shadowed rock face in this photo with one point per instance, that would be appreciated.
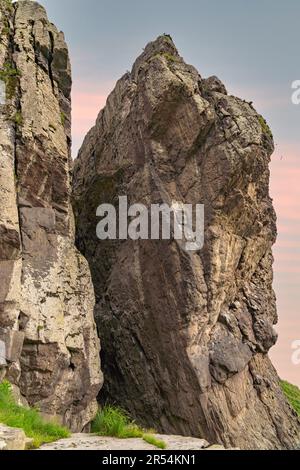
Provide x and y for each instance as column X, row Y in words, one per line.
column 46, row 294
column 185, row 336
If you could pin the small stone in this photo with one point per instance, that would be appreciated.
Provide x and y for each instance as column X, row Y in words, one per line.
column 2, row 445
column 13, row 438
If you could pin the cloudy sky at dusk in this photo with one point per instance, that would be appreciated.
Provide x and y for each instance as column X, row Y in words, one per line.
column 253, row 47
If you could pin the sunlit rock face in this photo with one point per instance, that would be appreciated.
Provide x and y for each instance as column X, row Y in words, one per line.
column 47, row 330
column 185, row 335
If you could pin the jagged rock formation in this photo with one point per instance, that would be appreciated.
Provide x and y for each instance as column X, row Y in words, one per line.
column 47, row 331
column 185, row 336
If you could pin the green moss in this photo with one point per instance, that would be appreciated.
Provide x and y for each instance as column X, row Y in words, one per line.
column 114, row 422
column 52, row 127
column 63, row 118
column 6, row 29
column 10, row 75
column 7, row 10
column 169, row 57
column 17, row 118
column 28, row 419
column 154, row 441
column 7, row 4
column 265, row 128
column 292, row 393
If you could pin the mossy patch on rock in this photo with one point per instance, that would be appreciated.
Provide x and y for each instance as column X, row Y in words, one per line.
column 10, row 75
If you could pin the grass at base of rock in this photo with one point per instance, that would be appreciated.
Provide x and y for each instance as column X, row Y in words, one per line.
column 28, row 419
column 114, row 422
column 292, row 393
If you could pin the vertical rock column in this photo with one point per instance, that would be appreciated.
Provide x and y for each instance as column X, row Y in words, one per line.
column 10, row 246
column 59, row 367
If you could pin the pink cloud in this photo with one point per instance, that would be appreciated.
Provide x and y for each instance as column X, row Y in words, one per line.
column 294, row 256
column 86, row 106
column 282, row 269
column 285, row 191
column 285, row 188
column 284, row 227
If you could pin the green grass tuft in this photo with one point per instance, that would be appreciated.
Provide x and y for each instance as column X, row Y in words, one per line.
column 28, row 419
column 8, row 4
column 63, row 118
column 114, row 422
column 154, row 441
column 10, row 75
column 265, row 128
column 6, row 28
column 292, row 393
column 17, row 118
column 169, row 57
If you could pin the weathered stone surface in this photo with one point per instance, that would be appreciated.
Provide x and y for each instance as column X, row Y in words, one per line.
column 185, row 336
column 216, row 447
column 12, row 438
column 46, row 294
column 92, row 442
column 2, row 353
column 2, row 445
column 13, row 343
column 10, row 248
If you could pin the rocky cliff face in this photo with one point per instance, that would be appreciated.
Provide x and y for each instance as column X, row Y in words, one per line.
column 185, row 336
column 47, row 333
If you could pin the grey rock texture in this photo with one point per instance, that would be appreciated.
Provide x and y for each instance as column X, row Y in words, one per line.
column 46, row 294
column 185, row 336
column 12, row 438
column 93, row 442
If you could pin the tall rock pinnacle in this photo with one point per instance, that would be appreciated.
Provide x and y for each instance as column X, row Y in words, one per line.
column 185, row 336
column 46, row 294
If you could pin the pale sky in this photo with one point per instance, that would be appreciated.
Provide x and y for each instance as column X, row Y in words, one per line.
column 253, row 47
